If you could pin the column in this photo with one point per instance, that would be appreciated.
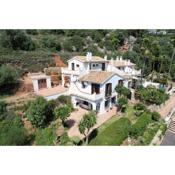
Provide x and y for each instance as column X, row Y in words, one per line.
column 48, row 82
column 35, row 85
column 73, row 102
column 62, row 80
column 102, row 107
column 94, row 106
column 110, row 104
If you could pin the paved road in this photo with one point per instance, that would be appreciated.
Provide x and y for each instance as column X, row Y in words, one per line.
column 169, row 139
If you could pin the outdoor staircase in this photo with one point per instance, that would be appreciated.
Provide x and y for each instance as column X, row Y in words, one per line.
column 171, row 127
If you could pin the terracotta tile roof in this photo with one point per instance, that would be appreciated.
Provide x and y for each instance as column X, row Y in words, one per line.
column 122, row 63
column 96, row 76
column 93, row 59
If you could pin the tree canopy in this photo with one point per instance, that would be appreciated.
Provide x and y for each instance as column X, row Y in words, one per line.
column 62, row 112
column 9, row 79
column 39, row 112
column 151, row 95
column 86, row 123
column 12, row 132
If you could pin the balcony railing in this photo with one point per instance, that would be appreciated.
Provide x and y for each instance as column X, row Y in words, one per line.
column 91, row 97
column 72, row 72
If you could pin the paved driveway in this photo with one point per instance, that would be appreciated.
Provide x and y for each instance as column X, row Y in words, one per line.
column 169, row 105
column 169, row 139
column 77, row 115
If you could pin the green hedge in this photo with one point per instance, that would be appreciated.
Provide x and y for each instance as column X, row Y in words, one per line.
column 139, row 127
column 114, row 134
column 149, row 134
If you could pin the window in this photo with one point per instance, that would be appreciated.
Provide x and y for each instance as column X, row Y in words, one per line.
column 93, row 65
column 83, row 85
column 78, row 65
column 73, row 66
column 108, row 89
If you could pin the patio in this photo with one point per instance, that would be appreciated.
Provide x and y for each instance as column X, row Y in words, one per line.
column 76, row 116
column 52, row 93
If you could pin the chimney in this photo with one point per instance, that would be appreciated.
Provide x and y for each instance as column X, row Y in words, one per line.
column 90, row 55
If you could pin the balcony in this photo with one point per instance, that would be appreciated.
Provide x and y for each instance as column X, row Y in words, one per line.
column 91, row 97
column 70, row 72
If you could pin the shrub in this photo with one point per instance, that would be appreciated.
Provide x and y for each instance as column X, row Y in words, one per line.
column 39, row 113
column 122, row 102
column 77, row 42
column 155, row 116
column 62, row 112
column 63, row 99
column 149, row 134
column 51, row 42
column 139, row 127
column 152, row 95
column 76, row 140
column 45, row 136
column 3, row 110
column 9, row 79
column 64, row 139
column 67, row 46
column 12, row 132
column 32, row 31
column 139, row 108
column 163, row 128
column 121, row 90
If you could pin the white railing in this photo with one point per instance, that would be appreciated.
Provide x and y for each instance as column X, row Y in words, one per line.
column 72, row 72
column 75, row 91
column 91, row 97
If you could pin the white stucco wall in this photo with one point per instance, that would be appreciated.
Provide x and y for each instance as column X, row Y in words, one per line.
column 87, row 89
column 76, row 62
column 96, row 66
column 114, row 80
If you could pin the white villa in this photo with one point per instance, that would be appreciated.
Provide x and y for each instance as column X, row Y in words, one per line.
column 91, row 80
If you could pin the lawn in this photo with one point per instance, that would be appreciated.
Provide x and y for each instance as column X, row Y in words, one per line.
column 114, row 134
column 130, row 114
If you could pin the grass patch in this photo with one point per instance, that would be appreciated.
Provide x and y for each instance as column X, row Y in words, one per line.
column 130, row 114
column 114, row 134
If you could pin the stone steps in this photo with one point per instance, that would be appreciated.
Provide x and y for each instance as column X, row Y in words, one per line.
column 171, row 127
